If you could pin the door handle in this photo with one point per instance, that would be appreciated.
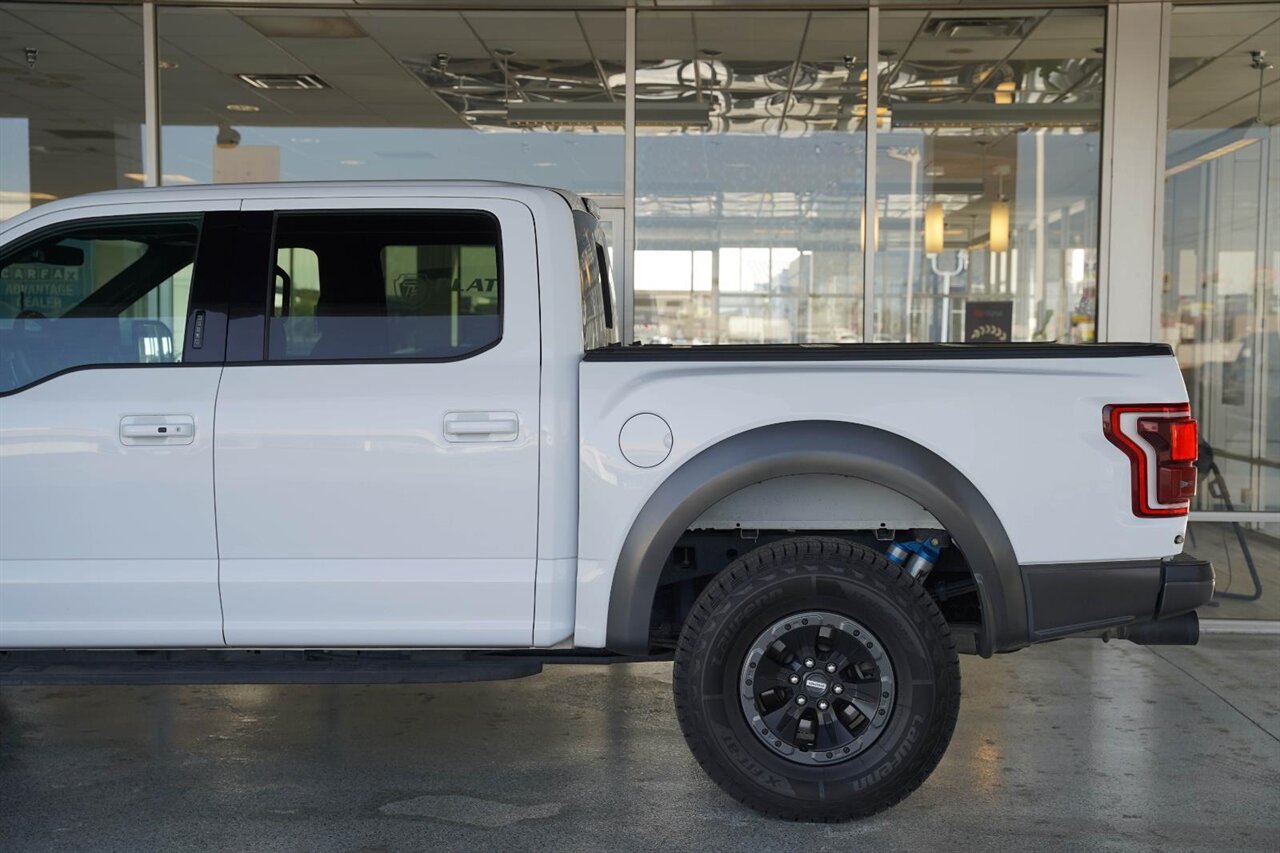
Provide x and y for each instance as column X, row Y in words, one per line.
column 481, row 426
column 157, row 429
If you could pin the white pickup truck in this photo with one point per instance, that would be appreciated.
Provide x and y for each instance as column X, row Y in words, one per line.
column 387, row 432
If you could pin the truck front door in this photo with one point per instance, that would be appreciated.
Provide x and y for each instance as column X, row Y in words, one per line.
column 111, row 345
column 377, row 439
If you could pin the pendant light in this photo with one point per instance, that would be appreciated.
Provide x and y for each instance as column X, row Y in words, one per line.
column 933, row 228
column 999, row 224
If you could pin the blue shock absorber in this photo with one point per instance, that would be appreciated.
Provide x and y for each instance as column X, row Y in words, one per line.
column 917, row 557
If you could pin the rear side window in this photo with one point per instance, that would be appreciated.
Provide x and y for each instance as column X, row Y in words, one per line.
column 94, row 294
column 593, row 274
column 385, row 286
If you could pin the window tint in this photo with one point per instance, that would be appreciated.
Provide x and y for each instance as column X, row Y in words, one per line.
column 94, row 294
column 385, row 286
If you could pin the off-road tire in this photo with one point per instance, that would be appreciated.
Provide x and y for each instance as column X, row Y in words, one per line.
column 800, row 575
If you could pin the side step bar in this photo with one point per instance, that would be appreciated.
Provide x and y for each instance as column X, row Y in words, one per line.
column 227, row 666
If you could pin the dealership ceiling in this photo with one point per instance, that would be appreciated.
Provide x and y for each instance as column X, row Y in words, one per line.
column 76, row 71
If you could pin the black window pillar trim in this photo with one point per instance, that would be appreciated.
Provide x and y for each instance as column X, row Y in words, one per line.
column 208, row 304
column 249, row 286
column 818, row 447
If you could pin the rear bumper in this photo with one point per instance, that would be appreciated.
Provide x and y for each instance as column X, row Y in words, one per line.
column 1078, row 598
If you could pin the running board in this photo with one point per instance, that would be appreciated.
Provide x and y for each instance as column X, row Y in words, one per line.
column 62, row 667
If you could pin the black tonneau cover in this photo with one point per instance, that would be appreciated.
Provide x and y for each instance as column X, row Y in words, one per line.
column 870, row 352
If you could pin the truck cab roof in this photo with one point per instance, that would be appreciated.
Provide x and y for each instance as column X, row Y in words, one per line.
column 304, row 189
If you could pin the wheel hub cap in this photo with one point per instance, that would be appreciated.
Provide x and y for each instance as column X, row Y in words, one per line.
column 815, row 684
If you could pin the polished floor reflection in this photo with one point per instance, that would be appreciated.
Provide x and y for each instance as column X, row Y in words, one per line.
column 1074, row 745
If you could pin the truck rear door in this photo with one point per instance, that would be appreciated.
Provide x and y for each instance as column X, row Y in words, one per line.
column 376, row 455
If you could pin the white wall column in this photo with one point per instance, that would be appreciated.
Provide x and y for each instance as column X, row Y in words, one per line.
column 151, row 94
column 1133, row 142
column 870, row 227
column 627, row 321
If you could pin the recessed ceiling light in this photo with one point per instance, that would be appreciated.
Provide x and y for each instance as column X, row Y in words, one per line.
column 242, row 108
column 351, row 162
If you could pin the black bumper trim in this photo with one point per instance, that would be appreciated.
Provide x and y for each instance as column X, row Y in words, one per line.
column 1073, row 598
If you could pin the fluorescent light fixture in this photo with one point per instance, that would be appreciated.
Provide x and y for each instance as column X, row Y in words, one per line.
column 283, row 81
column 242, row 108
column 305, row 26
column 999, row 227
column 20, row 197
column 933, row 228
column 1211, row 148
column 166, row 178
column 606, row 113
column 994, row 115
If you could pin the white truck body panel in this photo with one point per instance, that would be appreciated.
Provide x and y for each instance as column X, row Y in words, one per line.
column 1000, row 422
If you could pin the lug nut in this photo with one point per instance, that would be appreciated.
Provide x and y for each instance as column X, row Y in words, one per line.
column 800, row 700
column 822, row 706
column 808, row 663
column 831, row 667
column 794, row 679
column 838, row 689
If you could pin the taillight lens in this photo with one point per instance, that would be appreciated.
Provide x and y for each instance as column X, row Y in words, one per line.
column 1162, row 444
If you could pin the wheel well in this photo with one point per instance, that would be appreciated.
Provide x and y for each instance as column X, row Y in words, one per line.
column 651, row 552
column 849, row 508
column 702, row 554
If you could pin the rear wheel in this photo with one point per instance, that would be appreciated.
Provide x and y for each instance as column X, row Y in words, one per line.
column 815, row 680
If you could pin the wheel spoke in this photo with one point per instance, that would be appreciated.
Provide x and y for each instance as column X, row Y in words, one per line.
column 861, row 672
column 772, row 699
column 851, row 716
column 807, row 730
column 865, row 707
column 826, row 640
column 780, row 654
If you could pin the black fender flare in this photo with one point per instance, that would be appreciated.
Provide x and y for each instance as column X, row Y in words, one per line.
column 818, row 447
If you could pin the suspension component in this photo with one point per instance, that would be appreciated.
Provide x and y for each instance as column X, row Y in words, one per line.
column 917, row 557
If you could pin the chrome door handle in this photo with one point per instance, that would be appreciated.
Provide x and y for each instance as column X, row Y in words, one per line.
column 157, row 429
column 481, row 426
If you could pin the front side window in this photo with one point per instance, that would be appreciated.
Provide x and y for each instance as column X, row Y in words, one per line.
column 385, row 286
column 91, row 294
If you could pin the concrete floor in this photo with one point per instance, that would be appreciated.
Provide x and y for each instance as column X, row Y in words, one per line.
column 1075, row 745
column 1219, row 544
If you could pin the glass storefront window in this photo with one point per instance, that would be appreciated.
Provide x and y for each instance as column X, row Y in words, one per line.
column 1220, row 300
column 261, row 94
column 987, row 175
column 750, row 157
column 71, row 102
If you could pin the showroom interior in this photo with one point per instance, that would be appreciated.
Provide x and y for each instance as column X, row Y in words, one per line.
column 820, row 173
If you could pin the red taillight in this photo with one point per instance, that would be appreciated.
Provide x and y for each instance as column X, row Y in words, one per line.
column 1162, row 445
